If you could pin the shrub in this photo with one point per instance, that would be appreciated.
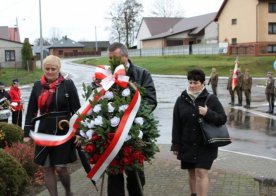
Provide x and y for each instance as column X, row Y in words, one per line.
column 3, row 142
column 12, row 133
column 25, row 158
column 13, row 178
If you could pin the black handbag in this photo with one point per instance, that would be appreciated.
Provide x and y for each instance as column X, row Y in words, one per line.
column 214, row 136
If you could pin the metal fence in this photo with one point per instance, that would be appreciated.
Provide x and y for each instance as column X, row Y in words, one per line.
column 204, row 49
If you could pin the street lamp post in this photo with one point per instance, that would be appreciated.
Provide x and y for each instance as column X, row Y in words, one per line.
column 40, row 39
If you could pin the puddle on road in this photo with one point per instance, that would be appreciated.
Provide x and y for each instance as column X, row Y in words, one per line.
column 247, row 121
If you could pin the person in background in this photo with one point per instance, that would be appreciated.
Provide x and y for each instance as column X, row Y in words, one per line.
column 16, row 103
column 4, row 102
column 269, row 92
column 238, row 88
column 142, row 77
column 187, row 138
column 246, row 87
column 56, row 99
column 214, row 81
column 229, row 88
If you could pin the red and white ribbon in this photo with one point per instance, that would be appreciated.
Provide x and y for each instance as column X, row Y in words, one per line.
column 43, row 139
column 118, row 139
column 104, row 74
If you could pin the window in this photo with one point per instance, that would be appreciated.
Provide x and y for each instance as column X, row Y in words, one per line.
column 271, row 28
column 271, row 49
column 60, row 52
column 9, row 55
column 234, row 40
column 272, row 7
column 234, row 21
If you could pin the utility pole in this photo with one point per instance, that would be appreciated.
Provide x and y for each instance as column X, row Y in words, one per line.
column 40, row 39
column 96, row 42
column 15, row 29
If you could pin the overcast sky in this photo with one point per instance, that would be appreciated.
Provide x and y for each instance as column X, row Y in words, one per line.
column 78, row 18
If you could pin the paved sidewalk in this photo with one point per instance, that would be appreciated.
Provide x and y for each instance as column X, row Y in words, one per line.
column 232, row 175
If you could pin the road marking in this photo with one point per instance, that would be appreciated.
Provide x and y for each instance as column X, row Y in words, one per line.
column 255, row 112
column 247, row 154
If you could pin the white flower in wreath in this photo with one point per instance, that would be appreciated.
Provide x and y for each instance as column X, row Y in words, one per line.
column 97, row 108
column 139, row 121
column 140, row 134
column 110, row 107
column 126, row 92
column 89, row 133
column 114, row 121
column 91, row 124
column 108, row 95
column 82, row 134
column 122, row 108
column 85, row 123
column 99, row 121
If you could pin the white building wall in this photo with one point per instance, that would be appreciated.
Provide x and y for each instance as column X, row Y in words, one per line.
column 142, row 34
column 8, row 45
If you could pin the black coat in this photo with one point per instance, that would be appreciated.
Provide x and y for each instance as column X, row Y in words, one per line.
column 64, row 153
column 186, row 134
column 143, row 78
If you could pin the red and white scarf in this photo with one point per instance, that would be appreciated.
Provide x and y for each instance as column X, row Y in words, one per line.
column 46, row 95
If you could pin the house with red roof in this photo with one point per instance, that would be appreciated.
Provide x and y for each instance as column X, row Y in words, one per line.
column 10, row 47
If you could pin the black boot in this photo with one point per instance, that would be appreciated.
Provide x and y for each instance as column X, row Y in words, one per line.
column 247, row 104
column 193, row 194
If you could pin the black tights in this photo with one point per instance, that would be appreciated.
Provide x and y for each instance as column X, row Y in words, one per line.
column 51, row 180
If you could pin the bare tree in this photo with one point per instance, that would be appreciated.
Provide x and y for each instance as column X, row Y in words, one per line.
column 167, row 8
column 45, row 42
column 125, row 17
column 55, row 34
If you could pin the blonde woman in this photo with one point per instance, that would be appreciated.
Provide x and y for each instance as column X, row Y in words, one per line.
column 55, row 98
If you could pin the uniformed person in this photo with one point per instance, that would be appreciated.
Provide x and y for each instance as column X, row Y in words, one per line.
column 238, row 88
column 269, row 91
column 229, row 88
column 246, row 87
column 214, row 80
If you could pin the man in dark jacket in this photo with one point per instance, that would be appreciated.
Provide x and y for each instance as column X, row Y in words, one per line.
column 142, row 77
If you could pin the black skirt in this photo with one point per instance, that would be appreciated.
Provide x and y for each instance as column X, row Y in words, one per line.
column 202, row 165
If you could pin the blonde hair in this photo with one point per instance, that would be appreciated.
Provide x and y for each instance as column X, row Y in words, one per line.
column 52, row 60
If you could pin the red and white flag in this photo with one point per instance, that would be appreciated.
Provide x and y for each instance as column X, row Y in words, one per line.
column 235, row 75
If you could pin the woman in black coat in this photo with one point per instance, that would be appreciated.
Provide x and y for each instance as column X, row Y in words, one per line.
column 56, row 99
column 187, row 139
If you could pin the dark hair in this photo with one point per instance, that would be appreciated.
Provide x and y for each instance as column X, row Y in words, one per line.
column 116, row 45
column 15, row 81
column 196, row 75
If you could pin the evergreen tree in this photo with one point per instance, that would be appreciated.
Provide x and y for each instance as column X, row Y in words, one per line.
column 27, row 54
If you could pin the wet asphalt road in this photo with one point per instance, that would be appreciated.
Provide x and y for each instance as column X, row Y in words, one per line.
column 253, row 131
